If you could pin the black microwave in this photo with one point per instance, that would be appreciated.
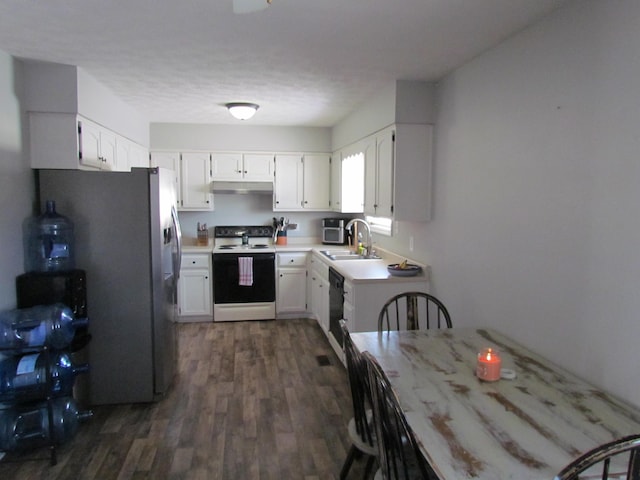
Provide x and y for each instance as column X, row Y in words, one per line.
column 333, row 231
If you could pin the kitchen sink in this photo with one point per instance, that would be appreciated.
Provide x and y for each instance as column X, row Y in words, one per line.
column 346, row 255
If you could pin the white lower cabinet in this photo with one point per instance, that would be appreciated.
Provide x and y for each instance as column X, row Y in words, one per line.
column 363, row 301
column 318, row 287
column 194, row 288
column 291, row 275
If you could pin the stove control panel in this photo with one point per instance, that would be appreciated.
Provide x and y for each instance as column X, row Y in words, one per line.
column 261, row 231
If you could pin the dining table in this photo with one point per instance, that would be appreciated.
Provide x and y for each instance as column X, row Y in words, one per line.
column 527, row 426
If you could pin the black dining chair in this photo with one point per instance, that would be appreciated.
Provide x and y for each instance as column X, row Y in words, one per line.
column 360, row 428
column 413, row 311
column 619, row 459
column 399, row 455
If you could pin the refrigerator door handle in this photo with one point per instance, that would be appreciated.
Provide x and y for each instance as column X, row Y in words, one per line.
column 177, row 264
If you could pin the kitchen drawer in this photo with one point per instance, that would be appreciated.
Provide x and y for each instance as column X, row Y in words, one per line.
column 196, row 260
column 293, row 259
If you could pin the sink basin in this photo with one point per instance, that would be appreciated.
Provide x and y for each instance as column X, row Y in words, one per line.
column 346, row 255
column 353, row 256
column 344, row 251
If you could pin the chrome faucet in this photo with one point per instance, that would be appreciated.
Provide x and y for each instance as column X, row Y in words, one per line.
column 369, row 247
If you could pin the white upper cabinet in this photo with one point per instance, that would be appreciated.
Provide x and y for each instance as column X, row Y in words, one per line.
column 233, row 166
column 169, row 161
column 347, row 180
column 195, row 174
column 138, row 155
column 336, row 181
column 226, row 166
column 302, row 182
column 192, row 172
column 398, row 172
column 287, row 190
column 379, row 162
column 317, row 181
column 130, row 155
column 70, row 141
column 258, row 167
column 89, row 147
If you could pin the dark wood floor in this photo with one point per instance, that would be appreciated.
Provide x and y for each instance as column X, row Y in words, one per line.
column 252, row 400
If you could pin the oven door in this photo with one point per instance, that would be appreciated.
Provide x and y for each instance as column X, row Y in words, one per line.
column 226, row 279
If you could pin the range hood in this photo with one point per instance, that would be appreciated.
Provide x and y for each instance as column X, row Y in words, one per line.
column 242, row 187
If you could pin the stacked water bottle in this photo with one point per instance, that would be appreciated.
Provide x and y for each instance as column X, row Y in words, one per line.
column 37, row 407
column 37, row 375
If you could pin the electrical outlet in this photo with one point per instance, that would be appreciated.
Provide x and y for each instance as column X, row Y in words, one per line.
column 411, row 243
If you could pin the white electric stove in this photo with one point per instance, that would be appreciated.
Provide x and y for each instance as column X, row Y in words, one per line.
column 243, row 273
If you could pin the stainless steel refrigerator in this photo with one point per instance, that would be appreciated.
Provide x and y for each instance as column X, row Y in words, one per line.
column 127, row 239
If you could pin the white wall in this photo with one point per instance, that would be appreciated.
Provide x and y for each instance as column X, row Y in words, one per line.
column 16, row 180
column 179, row 136
column 402, row 101
column 78, row 92
column 98, row 103
column 535, row 226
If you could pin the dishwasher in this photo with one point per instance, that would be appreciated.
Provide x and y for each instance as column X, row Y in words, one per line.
column 336, row 304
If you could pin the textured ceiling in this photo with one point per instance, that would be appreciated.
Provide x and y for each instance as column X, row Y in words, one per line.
column 305, row 62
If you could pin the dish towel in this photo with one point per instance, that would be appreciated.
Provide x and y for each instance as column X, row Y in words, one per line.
column 245, row 269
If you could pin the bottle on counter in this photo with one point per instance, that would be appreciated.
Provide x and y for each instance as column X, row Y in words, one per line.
column 49, row 242
column 24, row 378
column 27, row 427
column 43, row 325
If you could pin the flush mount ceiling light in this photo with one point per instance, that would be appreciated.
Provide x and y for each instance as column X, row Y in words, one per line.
column 250, row 6
column 242, row 110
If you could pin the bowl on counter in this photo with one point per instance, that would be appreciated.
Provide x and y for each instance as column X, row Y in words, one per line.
column 409, row 270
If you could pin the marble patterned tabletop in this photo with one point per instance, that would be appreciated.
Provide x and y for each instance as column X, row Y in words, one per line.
column 526, row 428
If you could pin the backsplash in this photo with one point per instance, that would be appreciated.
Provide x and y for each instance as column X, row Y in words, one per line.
column 251, row 209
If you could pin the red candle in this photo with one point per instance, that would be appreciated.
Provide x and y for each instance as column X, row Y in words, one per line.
column 489, row 363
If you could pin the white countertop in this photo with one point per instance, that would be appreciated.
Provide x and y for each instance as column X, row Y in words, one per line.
column 357, row 271
column 190, row 245
column 361, row 271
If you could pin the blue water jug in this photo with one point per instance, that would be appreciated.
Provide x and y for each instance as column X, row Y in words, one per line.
column 24, row 377
column 27, row 426
column 49, row 242
column 43, row 325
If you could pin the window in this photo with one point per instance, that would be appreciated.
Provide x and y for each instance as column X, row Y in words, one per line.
column 353, row 183
column 380, row 225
